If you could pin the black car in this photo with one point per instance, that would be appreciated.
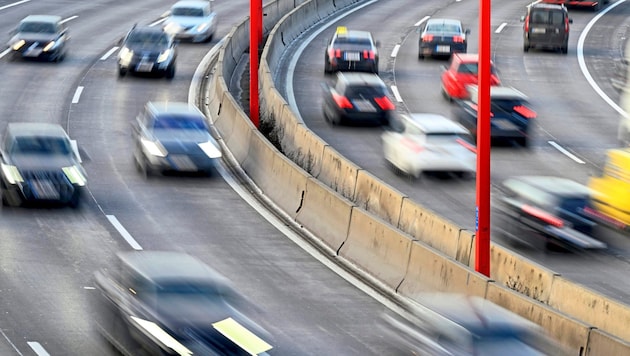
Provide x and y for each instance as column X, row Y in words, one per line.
column 171, row 303
column 553, row 210
column 172, row 136
column 147, row 50
column 546, row 26
column 442, row 37
column 351, row 50
column 358, row 98
column 510, row 114
column 40, row 37
column 40, row 164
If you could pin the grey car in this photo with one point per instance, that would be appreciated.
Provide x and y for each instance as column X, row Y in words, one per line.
column 39, row 37
column 191, row 20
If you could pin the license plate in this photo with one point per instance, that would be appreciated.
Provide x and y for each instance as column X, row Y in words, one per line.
column 443, row 49
column 352, row 56
column 183, row 163
column 538, row 30
column 144, row 67
column 33, row 52
column 44, row 189
column 364, row 105
column 505, row 125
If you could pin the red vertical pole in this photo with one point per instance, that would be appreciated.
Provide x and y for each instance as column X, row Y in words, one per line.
column 255, row 36
column 482, row 239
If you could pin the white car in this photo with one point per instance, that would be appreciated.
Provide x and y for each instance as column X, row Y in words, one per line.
column 191, row 20
column 418, row 143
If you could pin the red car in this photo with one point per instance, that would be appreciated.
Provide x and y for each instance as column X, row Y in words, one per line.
column 460, row 72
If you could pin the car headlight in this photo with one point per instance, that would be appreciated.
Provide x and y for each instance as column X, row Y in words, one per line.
column 125, row 55
column 155, row 331
column 154, row 148
column 17, row 45
column 11, row 173
column 75, row 175
column 210, row 149
column 49, row 46
column 201, row 27
column 164, row 56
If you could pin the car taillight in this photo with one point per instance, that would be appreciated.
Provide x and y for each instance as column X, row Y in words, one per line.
column 384, row 103
column 427, row 38
column 527, row 23
column 458, row 39
column 338, row 53
column 543, row 215
column 525, row 112
column 368, row 54
column 342, row 101
column 566, row 25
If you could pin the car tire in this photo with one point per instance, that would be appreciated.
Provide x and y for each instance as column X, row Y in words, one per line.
column 10, row 200
column 75, row 201
column 122, row 72
column 170, row 72
column 526, row 47
column 446, row 96
column 420, row 56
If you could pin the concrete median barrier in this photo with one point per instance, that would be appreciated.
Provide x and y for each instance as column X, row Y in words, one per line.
column 431, row 271
column 309, row 150
column 326, row 214
column 378, row 198
column 465, row 248
column 377, row 248
column 602, row 343
column 241, row 129
column 567, row 330
column 429, row 228
column 339, row 173
column 582, row 303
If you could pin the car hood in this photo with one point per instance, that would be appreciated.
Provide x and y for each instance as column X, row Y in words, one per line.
column 41, row 162
column 33, row 37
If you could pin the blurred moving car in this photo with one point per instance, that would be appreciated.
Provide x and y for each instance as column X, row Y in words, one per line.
column 611, row 197
column 417, row 143
column 442, row 37
column 461, row 71
column 510, row 114
column 147, row 50
column 552, row 208
column 357, row 98
column 40, row 37
column 172, row 136
column 170, row 303
column 453, row 324
column 40, row 164
column 351, row 50
column 192, row 20
column 593, row 4
column 546, row 26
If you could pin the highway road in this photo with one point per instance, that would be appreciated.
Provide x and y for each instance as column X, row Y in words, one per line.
column 48, row 256
column 573, row 129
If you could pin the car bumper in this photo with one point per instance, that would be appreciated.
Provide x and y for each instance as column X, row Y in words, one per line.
column 359, row 66
column 44, row 191
column 180, row 163
column 446, row 163
column 441, row 49
column 37, row 54
column 146, row 67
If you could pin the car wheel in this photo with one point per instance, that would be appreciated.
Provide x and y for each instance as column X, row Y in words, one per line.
column 209, row 38
column 75, row 201
column 420, row 56
column 170, row 72
column 122, row 72
column 526, row 47
column 445, row 95
column 11, row 200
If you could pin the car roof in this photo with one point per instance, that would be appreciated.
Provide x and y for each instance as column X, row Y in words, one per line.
column 550, row 184
column 199, row 4
column 497, row 92
column 444, row 21
column 167, row 266
column 360, row 78
column 431, row 123
column 35, row 129
column 173, row 107
column 42, row 18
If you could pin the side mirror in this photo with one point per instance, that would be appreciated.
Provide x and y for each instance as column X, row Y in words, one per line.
column 570, row 20
column 467, row 31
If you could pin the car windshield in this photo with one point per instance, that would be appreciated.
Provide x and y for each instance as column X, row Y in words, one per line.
column 147, row 39
column 179, row 123
column 188, row 11
column 37, row 27
column 40, row 145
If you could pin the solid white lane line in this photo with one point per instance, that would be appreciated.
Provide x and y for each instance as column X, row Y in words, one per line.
column 109, row 53
column 157, row 22
column 14, row 4
column 89, row 288
column 39, row 349
column 77, row 95
column 500, row 28
column 565, row 152
column 395, row 51
column 10, row 343
column 396, row 94
column 421, row 21
column 124, row 233
column 69, row 19
column 5, row 52
column 582, row 63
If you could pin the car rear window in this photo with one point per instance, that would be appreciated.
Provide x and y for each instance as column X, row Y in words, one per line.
column 471, row 68
column 353, row 40
column 366, row 91
column 547, row 17
column 444, row 28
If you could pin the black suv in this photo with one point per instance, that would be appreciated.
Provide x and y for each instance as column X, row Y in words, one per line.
column 351, row 50
column 357, row 97
column 546, row 26
column 147, row 50
column 40, row 164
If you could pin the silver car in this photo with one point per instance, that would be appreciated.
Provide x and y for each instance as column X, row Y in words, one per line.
column 191, row 20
